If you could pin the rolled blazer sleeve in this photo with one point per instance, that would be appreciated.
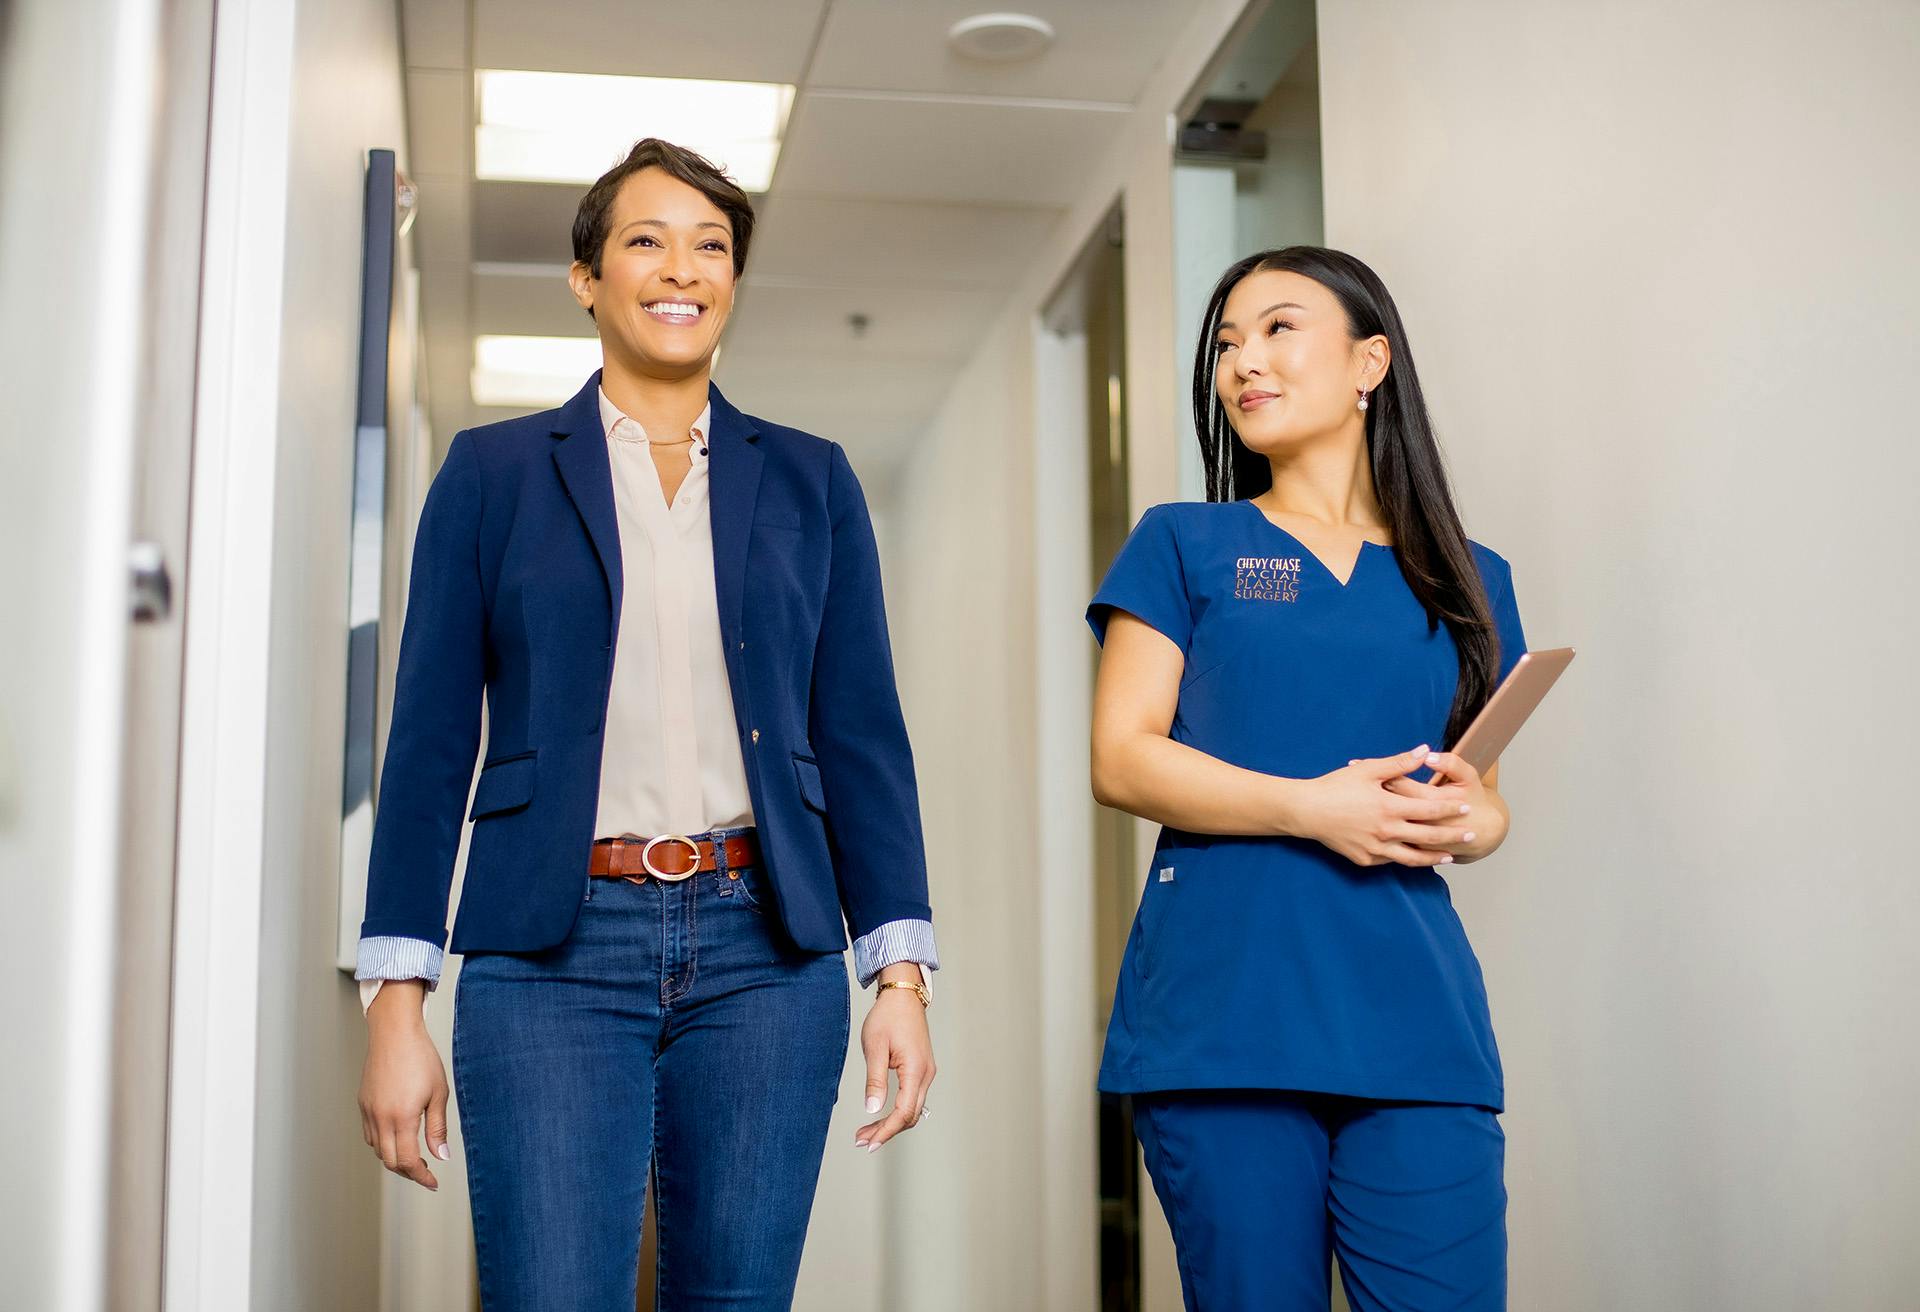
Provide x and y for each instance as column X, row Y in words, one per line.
column 435, row 734
column 858, row 733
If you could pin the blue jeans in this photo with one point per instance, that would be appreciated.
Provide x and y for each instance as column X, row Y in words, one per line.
column 674, row 1026
column 1261, row 1189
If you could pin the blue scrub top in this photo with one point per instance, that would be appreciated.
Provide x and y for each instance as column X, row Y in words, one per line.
column 1273, row 963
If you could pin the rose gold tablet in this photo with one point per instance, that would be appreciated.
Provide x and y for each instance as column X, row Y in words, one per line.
column 1500, row 719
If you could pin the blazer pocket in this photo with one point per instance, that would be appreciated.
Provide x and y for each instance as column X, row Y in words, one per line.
column 505, row 785
column 808, row 773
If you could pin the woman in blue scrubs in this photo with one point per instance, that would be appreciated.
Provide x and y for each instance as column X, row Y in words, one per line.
column 1300, row 1019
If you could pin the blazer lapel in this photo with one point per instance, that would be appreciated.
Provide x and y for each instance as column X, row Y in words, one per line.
column 733, row 472
column 587, row 473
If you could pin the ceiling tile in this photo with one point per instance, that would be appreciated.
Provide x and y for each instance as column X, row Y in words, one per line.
column 1102, row 50
column 536, row 303
column 878, row 242
column 973, row 152
column 439, row 121
column 524, row 222
column 433, row 33
column 940, row 327
column 724, row 40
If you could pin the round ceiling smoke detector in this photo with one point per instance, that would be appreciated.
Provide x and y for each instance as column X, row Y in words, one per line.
column 1000, row 38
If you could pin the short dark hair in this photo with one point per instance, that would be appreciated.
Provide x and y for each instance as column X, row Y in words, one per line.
column 595, row 215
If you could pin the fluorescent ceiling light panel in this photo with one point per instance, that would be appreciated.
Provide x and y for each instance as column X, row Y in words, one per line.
column 572, row 127
column 534, row 373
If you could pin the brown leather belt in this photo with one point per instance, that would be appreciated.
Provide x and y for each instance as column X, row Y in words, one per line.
column 670, row 857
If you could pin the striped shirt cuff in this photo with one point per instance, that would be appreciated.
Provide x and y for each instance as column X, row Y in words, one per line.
column 892, row 943
column 399, row 958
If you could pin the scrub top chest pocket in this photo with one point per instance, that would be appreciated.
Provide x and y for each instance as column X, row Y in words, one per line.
column 1273, row 962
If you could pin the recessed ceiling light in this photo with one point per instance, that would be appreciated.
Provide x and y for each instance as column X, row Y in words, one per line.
column 1000, row 38
column 572, row 127
column 531, row 372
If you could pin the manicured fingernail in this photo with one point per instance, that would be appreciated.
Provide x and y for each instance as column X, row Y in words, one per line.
column 1433, row 758
column 1467, row 837
column 859, row 1143
column 1446, row 860
column 1421, row 750
column 442, row 1153
column 1464, row 808
column 873, row 1103
column 873, row 1148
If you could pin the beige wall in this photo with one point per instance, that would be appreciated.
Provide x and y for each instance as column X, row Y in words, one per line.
column 992, row 1203
column 958, row 591
column 1658, row 265
column 317, row 1191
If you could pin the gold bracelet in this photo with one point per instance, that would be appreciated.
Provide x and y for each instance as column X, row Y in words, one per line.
column 919, row 990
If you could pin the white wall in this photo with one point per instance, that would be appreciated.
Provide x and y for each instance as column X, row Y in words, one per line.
column 1658, row 265
column 317, row 1189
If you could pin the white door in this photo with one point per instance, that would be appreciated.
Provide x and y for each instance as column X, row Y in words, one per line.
column 103, row 119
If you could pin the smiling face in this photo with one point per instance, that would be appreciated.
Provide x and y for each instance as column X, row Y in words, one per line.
column 1286, row 366
column 666, row 278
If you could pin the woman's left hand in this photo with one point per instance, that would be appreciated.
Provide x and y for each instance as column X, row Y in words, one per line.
column 1485, row 819
column 895, row 1038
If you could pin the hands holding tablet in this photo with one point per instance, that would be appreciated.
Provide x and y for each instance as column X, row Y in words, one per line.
column 1373, row 814
column 1483, row 816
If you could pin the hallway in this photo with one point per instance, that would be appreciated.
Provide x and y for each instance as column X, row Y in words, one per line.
column 1656, row 263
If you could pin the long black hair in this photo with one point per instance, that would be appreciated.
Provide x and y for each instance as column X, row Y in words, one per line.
column 1409, row 477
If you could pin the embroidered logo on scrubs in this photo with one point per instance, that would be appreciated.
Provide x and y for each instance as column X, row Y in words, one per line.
column 1266, row 578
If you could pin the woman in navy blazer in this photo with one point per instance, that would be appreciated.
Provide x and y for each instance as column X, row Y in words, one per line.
column 688, row 1009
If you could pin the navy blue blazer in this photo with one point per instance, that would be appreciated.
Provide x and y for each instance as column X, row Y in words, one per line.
column 516, row 591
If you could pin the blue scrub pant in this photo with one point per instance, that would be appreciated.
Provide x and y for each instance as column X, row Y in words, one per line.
column 1263, row 1188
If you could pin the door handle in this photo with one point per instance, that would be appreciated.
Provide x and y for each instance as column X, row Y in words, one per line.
column 150, row 587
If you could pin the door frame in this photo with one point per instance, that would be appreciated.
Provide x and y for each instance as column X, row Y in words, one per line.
column 223, row 748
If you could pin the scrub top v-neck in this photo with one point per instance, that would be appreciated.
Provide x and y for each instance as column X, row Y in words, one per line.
column 1274, row 963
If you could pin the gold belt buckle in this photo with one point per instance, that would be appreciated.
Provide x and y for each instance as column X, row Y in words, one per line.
column 646, row 858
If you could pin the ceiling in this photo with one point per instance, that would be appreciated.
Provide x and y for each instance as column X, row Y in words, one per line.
column 913, row 187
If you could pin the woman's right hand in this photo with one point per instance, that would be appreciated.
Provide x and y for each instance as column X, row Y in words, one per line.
column 1351, row 812
column 403, row 1080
